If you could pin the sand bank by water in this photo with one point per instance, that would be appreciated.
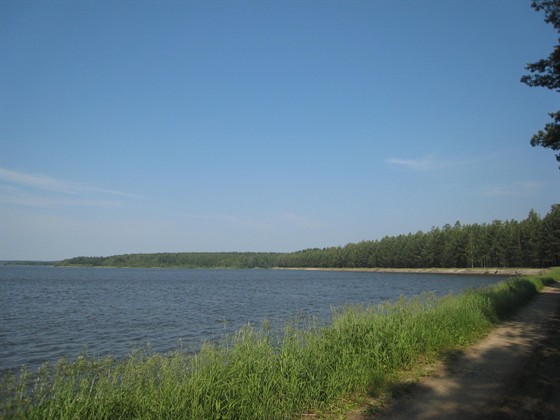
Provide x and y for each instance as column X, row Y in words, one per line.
column 469, row 271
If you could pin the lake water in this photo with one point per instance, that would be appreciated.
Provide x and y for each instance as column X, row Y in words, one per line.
column 48, row 312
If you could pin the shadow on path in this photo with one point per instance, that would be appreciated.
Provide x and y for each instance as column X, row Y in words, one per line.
column 514, row 373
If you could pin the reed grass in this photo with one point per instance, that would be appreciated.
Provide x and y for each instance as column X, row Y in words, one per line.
column 259, row 373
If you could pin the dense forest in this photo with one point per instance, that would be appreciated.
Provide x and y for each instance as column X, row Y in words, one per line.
column 533, row 242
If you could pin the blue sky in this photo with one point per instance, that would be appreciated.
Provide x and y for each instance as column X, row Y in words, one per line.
column 265, row 126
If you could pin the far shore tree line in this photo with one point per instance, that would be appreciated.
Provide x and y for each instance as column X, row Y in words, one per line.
column 532, row 242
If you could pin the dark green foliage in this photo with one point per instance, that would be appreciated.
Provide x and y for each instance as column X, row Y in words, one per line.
column 550, row 136
column 27, row 262
column 180, row 259
column 546, row 73
column 533, row 242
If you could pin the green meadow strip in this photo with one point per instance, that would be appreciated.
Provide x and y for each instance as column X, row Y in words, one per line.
column 259, row 373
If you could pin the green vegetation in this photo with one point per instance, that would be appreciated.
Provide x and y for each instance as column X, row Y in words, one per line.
column 546, row 73
column 266, row 374
column 26, row 262
column 179, row 259
column 533, row 242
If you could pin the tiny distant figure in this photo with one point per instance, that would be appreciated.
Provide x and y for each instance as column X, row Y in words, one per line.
column 496, row 272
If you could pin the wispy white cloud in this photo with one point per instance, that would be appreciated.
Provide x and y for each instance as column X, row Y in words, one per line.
column 41, row 182
column 17, row 196
column 512, row 190
column 420, row 164
column 39, row 190
column 48, row 183
column 435, row 162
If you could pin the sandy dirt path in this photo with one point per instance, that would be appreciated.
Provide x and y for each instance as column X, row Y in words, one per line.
column 514, row 373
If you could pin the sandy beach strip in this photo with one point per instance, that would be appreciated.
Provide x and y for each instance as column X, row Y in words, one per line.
column 467, row 271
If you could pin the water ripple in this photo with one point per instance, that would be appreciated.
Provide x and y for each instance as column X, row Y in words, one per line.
column 47, row 313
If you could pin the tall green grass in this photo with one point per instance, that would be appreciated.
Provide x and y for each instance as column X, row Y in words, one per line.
column 259, row 373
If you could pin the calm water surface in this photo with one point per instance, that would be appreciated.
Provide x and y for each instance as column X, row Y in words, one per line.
column 48, row 312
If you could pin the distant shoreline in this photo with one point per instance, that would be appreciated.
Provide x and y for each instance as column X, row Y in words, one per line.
column 466, row 271
column 478, row 271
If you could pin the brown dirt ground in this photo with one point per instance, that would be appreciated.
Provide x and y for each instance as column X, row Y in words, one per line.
column 514, row 373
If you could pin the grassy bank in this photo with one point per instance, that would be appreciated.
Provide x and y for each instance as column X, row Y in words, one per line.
column 259, row 373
